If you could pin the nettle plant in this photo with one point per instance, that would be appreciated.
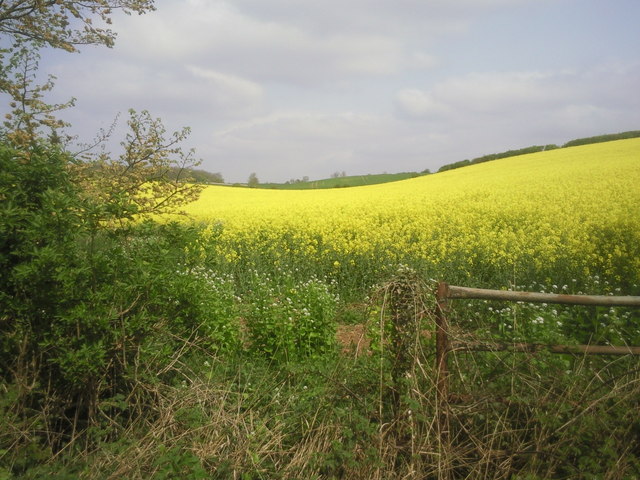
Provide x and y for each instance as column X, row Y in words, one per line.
column 291, row 320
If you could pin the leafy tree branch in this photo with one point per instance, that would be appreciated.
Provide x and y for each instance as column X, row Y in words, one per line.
column 30, row 116
column 65, row 24
column 148, row 177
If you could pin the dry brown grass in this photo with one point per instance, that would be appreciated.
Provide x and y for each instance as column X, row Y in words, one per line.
column 508, row 416
column 231, row 430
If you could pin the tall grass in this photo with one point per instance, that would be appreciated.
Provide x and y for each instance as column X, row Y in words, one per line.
column 348, row 415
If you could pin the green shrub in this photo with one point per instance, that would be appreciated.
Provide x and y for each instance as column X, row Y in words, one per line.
column 198, row 298
column 86, row 307
column 290, row 322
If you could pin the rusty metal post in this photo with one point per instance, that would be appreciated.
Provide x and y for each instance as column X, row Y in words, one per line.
column 442, row 373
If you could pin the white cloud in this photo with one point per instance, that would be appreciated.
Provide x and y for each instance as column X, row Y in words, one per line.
column 109, row 86
column 295, row 144
column 216, row 33
column 415, row 103
column 267, row 86
column 422, row 60
column 400, row 17
column 229, row 92
column 494, row 111
column 492, row 94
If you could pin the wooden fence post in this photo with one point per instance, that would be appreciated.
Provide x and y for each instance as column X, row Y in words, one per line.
column 442, row 374
column 442, row 340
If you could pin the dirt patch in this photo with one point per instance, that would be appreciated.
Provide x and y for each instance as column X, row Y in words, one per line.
column 353, row 339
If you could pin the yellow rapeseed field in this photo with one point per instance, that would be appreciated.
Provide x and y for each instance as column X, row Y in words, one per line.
column 570, row 212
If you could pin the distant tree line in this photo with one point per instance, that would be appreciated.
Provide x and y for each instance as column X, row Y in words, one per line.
column 539, row 148
column 496, row 156
column 603, row 138
column 204, row 177
column 196, row 175
column 295, row 181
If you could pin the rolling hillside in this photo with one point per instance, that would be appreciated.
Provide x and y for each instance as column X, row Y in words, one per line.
column 557, row 213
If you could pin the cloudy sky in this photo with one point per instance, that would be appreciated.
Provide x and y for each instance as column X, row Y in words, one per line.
column 293, row 88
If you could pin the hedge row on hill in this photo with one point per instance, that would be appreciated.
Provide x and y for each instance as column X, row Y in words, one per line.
column 541, row 148
column 602, row 138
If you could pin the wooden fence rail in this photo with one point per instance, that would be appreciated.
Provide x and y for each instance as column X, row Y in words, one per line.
column 446, row 292
column 453, row 292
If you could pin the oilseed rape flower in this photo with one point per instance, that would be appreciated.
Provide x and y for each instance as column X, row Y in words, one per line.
column 557, row 214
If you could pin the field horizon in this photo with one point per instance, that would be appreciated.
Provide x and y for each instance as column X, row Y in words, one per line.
column 342, row 180
column 552, row 211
